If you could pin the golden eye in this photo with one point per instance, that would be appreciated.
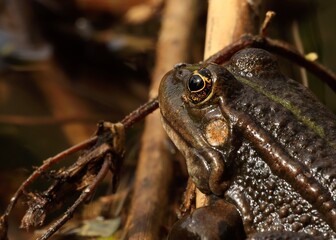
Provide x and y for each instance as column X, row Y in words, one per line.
column 199, row 85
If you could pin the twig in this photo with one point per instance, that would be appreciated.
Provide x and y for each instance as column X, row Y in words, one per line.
column 154, row 169
column 227, row 21
column 84, row 195
column 188, row 200
column 45, row 120
column 298, row 44
column 227, row 52
column 287, row 51
column 278, row 47
column 128, row 121
column 140, row 113
column 46, row 165
column 266, row 23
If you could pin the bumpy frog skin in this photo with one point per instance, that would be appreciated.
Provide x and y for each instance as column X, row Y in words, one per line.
column 256, row 139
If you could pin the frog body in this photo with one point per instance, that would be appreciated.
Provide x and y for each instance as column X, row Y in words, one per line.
column 257, row 139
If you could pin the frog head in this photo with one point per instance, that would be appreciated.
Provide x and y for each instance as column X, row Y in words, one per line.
column 188, row 98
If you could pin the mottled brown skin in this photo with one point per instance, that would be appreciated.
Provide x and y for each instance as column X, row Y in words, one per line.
column 277, row 162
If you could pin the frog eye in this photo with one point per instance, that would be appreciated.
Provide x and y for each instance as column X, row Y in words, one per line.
column 199, row 85
column 196, row 83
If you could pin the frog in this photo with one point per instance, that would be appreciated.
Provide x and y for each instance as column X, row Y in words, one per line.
column 256, row 140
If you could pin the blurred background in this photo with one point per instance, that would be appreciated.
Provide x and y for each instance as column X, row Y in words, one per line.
column 66, row 65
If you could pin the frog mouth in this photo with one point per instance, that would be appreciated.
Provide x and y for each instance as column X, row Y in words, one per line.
column 205, row 165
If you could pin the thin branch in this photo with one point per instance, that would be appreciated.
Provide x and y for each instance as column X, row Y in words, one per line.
column 227, row 52
column 226, row 22
column 155, row 168
column 128, row 122
column 264, row 27
column 278, row 47
column 287, row 51
column 188, row 200
column 84, row 195
column 140, row 113
column 45, row 120
column 46, row 165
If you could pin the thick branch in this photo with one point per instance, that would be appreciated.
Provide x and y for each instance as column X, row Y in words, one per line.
column 155, row 169
column 227, row 21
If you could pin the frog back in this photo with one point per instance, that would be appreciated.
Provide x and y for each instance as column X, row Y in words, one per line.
column 299, row 124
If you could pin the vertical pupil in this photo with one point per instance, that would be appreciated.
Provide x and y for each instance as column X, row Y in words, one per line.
column 196, row 83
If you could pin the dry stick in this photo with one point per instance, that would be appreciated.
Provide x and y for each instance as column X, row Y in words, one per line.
column 286, row 50
column 188, row 201
column 128, row 121
column 227, row 21
column 278, row 47
column 27, row 120
column 264, row 27
column 227, row 52
column 281, row 48
column 45, row 120
column 298, row 43
column 222, row 55
column 84, row 195
column 46, row 165
column 140, row 113
column 154, row 169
